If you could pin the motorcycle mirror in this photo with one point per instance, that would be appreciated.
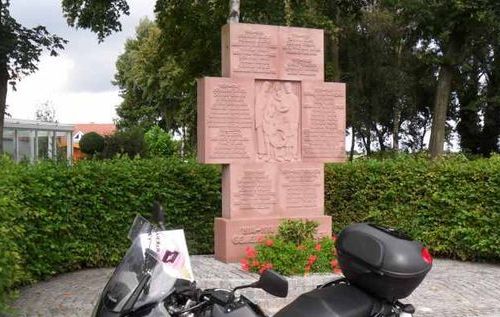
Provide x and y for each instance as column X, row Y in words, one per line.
column 273, row 283
column 158, row 213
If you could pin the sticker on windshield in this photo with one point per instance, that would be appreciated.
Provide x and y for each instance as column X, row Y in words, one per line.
column 171, row 248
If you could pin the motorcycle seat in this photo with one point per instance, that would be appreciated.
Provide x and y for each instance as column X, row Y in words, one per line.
column 335, row 301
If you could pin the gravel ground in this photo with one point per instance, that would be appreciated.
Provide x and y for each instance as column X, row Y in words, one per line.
column 451, row 289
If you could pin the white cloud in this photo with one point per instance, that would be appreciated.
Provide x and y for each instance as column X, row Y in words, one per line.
column 77, row 82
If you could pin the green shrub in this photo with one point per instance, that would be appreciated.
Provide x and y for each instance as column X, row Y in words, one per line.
column 160, row 143
column 451, row 205
column 11, row 231
column 128, row 142
column 56, row 218
column 91, row 143
column 297, row 231
column 291, row 256
column 73, row 217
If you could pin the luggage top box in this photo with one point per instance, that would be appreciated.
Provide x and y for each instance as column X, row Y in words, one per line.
column 382, row 260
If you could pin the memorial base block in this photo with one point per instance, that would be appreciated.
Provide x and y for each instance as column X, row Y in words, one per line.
column 233, row 236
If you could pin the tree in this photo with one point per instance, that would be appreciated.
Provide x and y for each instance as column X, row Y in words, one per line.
column 20, row 50
column 234, row 11
column 127, row 141
column 92, row 143
column 160, row 142
column 21, row 47
column 447, row 28
column 45, row 112
column 101, row 17
column 146, row 79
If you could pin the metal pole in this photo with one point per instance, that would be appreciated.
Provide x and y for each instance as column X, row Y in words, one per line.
column 16, row 147
column 54, row 145
column 35, row 147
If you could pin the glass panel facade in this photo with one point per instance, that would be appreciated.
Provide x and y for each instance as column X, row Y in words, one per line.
column 9, row 146
column 26, row 145
column 32, row 141
column 62, row 145
column 44, row 145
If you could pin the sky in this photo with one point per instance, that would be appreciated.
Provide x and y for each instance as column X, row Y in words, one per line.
column 77, row 83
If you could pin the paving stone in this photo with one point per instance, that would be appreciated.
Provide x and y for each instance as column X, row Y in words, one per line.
column 451, row 289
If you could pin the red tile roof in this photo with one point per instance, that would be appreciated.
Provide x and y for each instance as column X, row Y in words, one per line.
column 100, row 128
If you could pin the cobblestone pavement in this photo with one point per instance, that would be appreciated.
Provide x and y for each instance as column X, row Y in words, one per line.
column 451, row 289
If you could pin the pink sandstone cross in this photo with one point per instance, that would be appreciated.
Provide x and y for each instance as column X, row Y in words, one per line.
column 273, row 122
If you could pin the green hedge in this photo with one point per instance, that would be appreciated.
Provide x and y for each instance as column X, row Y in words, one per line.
column 452, row 205
column 56, row 218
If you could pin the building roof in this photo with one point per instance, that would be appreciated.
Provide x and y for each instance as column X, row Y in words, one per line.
column 99, row 128
column 37, row 125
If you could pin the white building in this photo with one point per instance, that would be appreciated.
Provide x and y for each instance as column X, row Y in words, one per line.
column 30, row 140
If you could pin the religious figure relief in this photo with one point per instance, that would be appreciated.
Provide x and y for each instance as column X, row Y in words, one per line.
column 277, row 117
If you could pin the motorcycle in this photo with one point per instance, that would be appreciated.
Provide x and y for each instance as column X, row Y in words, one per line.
column 155, row 279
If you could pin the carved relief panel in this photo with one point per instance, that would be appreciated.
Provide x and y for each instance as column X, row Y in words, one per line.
column 277, row 121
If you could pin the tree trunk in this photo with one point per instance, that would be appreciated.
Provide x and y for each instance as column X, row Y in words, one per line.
column 440, row 110
column 367, row 141
column 468, row 127
column 380, row 137
column 234, row 11
column 353, row 140
column 491, row 129
column 397, row 109
column 4, row 78
column 443, row 90
column 334, row 50
column 395, row 129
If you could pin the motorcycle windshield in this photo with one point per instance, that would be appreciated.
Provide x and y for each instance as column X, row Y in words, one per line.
column 129, row 273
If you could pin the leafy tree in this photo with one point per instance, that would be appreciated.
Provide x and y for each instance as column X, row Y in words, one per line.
column 20, row 50
column 145, row 78
column 91, row 143
column 45, row 112
column 127, row 141
column 21, row 47
column 101, row 17
column 160, row 142
column 447, row 29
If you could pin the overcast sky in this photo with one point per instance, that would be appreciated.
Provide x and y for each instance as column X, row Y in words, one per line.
column 77, row 82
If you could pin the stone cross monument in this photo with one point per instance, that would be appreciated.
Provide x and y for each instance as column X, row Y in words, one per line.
column 273, row 122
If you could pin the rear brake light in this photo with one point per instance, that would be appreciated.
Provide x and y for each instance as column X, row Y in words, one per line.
column 426, row 256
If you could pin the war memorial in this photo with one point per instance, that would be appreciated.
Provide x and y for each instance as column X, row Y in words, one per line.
column 272, row 122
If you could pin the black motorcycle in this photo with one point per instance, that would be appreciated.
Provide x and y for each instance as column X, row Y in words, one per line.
column 380, row 266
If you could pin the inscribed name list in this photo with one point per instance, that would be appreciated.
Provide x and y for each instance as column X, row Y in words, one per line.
column 225, row 120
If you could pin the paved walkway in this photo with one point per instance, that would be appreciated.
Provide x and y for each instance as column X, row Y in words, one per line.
column 451, row 289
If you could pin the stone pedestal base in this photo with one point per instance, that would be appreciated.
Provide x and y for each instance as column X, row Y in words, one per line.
column 232, row 236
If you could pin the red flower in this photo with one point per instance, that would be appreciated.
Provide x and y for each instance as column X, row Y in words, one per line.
column 334, row 238
column 269, row 242
column 255, row 263
column 311, row 260
column 250, row 252
column 307, row 268
column 334, row 263
column 266, row 266
column 317, row 247
column 244, row 265
column 337, row 271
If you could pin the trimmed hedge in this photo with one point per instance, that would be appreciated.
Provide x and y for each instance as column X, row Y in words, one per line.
column 452, row 205
column 56, row 218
